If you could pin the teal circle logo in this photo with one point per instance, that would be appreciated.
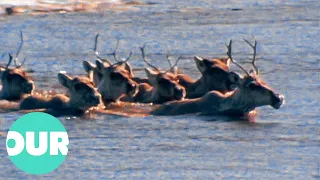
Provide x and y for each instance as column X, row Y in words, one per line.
column 37, row 143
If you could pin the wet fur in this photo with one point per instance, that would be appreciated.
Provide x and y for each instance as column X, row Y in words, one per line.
column 16, row 84
column 82, row 97
column 251, row 93
column 157, row 92
column 116, row 81
column 214, row 74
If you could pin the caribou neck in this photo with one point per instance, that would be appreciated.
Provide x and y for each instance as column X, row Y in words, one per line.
column 157, row 98
column 196, row 89
column 239, row 100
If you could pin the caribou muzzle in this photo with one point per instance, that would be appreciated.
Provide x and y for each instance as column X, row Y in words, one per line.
column 179, row 93
column 132, row 88
column 277, row 101
column 28, row 87
column 94, row 100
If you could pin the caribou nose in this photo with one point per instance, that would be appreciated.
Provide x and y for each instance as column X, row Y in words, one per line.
column 28, row 87
column 97, row 100
column 179, row 93
column 94, row 100
column 132, row 88
column 277, row 101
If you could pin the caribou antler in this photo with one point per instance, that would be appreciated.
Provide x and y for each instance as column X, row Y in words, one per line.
column 10, row 60
column 170, row 64
column 168, row 55
column 176, row 63
column 145, row 58
column 254, row 47
column 229, row 53
column 114, row 53
column 95, row 49
column 17, row 54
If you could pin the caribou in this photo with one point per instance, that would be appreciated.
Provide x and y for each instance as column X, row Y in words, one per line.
column 16, row 83
column 112, row 80
column 217, row 91
column 250, row 92
column 91, row 68
column 83, row 96
column 214, row 76
column 162, row 86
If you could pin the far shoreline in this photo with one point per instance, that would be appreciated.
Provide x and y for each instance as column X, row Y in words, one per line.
column 44, row 8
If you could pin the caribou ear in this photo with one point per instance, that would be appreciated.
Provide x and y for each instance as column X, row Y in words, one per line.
column 152, row 75
column 202, row 64
column 228, row 61
column 234, row 78
column 65, row 80
column 2, row 70
column 129, row 69
column 99, row 65
column 199, row 62
column 88, row 66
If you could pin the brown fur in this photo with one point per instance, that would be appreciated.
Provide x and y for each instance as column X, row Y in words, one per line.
column 252, row 92
column 214, row 76
column 96, row 76
column 116, row 81
column 83, row 96
column 16, row 84
column 164, row 86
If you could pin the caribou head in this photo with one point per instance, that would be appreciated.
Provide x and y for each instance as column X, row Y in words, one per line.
column 15, row 81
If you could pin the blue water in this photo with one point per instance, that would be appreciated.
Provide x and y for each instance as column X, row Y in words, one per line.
column 282, row 144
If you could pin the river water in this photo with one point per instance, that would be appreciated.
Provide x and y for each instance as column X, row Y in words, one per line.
column 281, row 143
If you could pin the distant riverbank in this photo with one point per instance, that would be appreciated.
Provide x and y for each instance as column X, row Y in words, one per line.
column 39, row 7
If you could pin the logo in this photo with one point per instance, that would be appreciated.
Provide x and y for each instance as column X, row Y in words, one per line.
column 37, row 143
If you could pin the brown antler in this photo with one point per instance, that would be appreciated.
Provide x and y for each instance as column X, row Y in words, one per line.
column 17, row 54
column 229, row 53
column 170, row 64
column 95, row 49
column 254, row 47
column 145, row 58
column 10, row 60
column 114, row 53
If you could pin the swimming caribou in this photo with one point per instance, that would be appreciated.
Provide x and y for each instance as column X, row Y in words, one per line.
column 112, row 80
column 163, row 86
column 83, row 96
column 91, row 68
column 217, row 91
column 251, row 92
column 214, row 76
column 16, row 84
